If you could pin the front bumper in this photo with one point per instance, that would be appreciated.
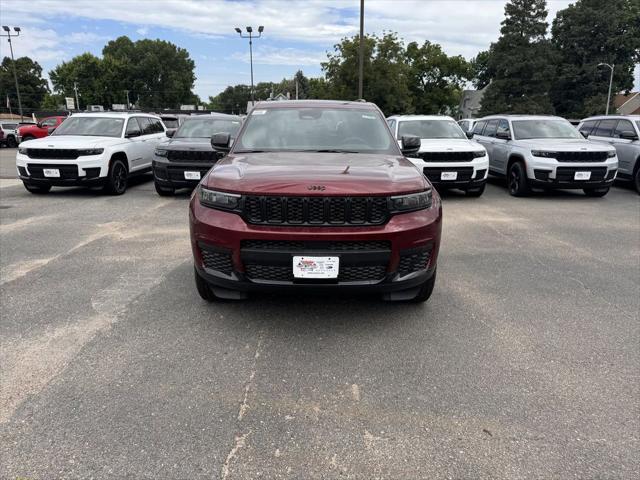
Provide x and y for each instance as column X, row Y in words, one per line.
column 553, row 174
column 471, row 174
column 85, row 170
column 171, row 174
column 396, row 258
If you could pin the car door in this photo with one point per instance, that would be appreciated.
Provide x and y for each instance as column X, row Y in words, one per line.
column 627, row 149
column 489, row 137
column 135, row 143
column 501, row 146
column 149, row 141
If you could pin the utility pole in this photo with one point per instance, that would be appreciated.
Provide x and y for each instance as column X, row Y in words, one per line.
column 612, row 67
column 13, row 61
column 251, row 37
column 296, row 89
column 128, row 103
column 75, row 89
column 361, row 53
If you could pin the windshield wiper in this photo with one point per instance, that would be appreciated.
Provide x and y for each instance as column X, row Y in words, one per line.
column 250, row 151
column 332, row 150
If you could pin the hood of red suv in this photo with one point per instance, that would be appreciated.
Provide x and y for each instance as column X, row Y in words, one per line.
column 310, row 173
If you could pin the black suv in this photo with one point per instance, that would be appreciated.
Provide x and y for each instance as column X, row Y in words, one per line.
column 188, row 156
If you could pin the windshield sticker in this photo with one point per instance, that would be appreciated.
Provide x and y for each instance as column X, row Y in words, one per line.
column 258, row 112
column 368, row 117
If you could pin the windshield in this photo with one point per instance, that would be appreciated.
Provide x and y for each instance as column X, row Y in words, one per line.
column 91, row 126
column 430, row 129
column 316, row 129
column 205, row 128
column 9, row 126
column 525, row 129
column 170, row 122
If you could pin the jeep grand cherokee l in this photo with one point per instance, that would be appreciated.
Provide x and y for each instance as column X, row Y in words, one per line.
column 315, row 195
column 545, row 152
column 187, row 157
column 447, row 157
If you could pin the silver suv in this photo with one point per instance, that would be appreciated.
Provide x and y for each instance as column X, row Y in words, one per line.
column 623, row 132
column 545, row 152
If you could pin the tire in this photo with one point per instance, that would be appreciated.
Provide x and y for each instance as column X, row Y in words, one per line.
column 475, row 192
column 636, row 177
column 517, row 182
column 596, row 192
column 28, row 137
column 164, row 191
column 426, row 290
column 37, row 189
column 203, row 288
column 116, row 183
column 11, row 142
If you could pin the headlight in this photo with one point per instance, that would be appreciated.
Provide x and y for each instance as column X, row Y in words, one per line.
column 541, row 153
column 90, row 151
column 220, row 200
column 23, row 151
column 411, row 202
column 611, row 154
column 479, row 153
column 161, row 152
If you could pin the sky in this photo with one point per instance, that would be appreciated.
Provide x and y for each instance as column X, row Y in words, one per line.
column 297, row 33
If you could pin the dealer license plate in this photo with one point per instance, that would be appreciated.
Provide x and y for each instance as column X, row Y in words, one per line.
column 316, row 267
column 192, row 175
column 51, row 172
column 448, row 175
column 582, row 175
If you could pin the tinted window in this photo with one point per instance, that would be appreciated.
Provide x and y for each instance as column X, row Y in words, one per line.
column 145, row 125
column 170, row 122
column 156, row 125
column 392, row 125
column 623, row 126
column 605, row 128
column 586, row 127
column 492, row 126
column 133, row 126
column 544, row 128
column 430, row 129
column 9, row 126
column 49, row 122
column 503, row 126
column 316, row 128
column 464, row 125
column 204, row 127
column 91, row 126
column 477, row 129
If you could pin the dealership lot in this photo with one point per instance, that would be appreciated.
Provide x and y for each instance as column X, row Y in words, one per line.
column 524, row 363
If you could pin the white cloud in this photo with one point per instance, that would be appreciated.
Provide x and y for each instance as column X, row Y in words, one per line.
column 282, row 56
column 142, row 31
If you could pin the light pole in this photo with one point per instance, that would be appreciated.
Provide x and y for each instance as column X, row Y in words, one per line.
column 361, row 53
column 15, row 74
column 251, row 37
column 612, row 67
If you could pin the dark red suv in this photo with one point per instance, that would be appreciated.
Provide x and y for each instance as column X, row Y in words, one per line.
column 315, row 195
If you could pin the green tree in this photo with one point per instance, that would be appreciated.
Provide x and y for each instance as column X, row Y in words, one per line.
column 33, row 87
column 521, row 62
column 480, row 71
column 87, row 72
column 586, row 33
column 232, row 99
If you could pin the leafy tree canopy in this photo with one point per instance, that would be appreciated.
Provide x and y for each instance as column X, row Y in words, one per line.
column 33, row 87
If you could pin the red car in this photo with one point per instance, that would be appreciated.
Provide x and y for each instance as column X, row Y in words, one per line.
column 40, row 129
column 315, row 195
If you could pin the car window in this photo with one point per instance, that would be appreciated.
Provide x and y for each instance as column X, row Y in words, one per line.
column 492, row 126
column 9, row 126
column 49, row 122
column 623, row 126
column 156, row 125
column 133, row 126
column 170, row 122
column 478, row 127
column 605, row 128
column 205, row 127
column 544, row 128
column 503, row 126
column 145, row 125
column 587, row 127
column 90, row 126
column 441, row 128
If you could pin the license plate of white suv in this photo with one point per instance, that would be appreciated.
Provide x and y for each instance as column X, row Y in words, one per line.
column 51, row 172
column 316, row 267
column 448, row 175
column 192, row 175
column 582, row 175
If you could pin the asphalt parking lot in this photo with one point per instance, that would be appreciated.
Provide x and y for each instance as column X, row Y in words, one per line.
column 524, row 363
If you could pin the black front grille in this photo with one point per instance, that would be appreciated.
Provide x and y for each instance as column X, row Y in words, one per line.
column 347, row 273
column 567, row 174
column 52, row 153
column 434, row 174
column 216, row 260
column 447, row 156
column 330, row 246
column 577, row 157
column 413, row 262
column 191, row 156
column 67, row 172
column 316, row 210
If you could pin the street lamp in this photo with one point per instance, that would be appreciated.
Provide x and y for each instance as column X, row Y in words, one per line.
column 610, row 83
column 15, row 74
column 251, row 36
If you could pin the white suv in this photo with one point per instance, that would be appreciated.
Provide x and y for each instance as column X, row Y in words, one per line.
column 446, row 157
column 545, row 152
column 91, row 149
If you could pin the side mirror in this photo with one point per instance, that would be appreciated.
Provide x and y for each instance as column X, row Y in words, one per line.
column 469, row 134
column 133, row 134
column 584, row 134
column 410, row 144
column 221, row 142
column 503, row 135
column 170, row 132
column 50, row 130
column 628, row 135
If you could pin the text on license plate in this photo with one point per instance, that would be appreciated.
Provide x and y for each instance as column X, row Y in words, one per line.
column 192, row 175
column 51, row 172
column 315, row 267
column 582, row 175
column 448, row 175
